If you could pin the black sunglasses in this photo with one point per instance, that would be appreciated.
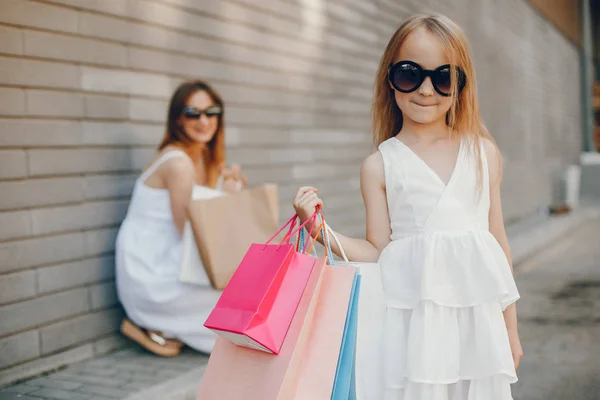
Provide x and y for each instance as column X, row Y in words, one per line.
column 408, row 76
column 195, row 113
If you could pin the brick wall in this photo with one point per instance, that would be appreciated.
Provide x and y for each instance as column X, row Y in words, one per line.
column 84, row 86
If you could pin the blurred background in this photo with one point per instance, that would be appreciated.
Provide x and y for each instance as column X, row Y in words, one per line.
column 84, row 86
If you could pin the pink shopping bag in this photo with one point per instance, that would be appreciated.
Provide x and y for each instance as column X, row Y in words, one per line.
column 257, row 306
column 306, row 366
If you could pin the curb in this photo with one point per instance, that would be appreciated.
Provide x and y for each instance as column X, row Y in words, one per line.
column 527, row 241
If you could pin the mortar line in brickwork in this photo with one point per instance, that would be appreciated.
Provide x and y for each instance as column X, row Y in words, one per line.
column 88, row 312
column 359, row 56
column 372, row 20
column 259, row 67
column 276, row 89
column 123, row 95
column 55, row 264
column 171, row 75
column 78, row 63
column 55, row 234
column 86, row 285
column 368, row 45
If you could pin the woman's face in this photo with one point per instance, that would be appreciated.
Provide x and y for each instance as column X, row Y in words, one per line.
column 200, row 117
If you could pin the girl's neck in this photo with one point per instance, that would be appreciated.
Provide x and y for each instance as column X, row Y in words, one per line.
column 430, row 132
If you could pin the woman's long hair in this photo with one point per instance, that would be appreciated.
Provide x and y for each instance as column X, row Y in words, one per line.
column 214, row 153
column 464, row 117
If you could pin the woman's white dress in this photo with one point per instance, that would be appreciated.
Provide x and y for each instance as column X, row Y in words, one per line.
column 149, row 251
column 446, row 282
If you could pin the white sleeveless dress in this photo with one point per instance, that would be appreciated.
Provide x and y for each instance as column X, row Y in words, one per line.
column 446, row 282
column 149, row 250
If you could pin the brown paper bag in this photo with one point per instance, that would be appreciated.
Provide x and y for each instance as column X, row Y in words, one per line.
column 226, row 226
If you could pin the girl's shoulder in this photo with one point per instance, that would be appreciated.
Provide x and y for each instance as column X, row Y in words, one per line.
column 488, row 149
column 387, row 144
column 373, row 168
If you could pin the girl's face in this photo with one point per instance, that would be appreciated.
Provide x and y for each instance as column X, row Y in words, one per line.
column 424, row 105
column 200, row 117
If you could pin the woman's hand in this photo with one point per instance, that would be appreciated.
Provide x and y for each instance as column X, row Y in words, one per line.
column 306, row 202
column 516, row 348
column 233, row 179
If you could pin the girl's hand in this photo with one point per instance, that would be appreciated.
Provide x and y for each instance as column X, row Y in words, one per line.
column 233, row 179
column 306, row 202
column 516, row 349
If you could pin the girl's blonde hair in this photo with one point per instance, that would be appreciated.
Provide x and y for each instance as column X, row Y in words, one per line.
column 464, row 117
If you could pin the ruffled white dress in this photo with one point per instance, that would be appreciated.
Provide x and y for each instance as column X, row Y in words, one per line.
column 446, row 282
column 149, row 252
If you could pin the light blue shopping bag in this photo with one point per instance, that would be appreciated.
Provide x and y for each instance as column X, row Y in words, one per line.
column 343, row 386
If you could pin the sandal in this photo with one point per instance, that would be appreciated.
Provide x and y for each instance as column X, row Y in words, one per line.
column 152, row 341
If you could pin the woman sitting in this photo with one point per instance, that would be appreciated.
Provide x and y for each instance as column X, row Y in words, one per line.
column 163, row 312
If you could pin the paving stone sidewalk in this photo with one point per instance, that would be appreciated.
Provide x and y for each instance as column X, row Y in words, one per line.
column 125, row 374
column 134, row 374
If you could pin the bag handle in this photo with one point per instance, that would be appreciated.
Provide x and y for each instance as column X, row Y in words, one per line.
column 314, row 240
column 328, row 252
column 325, row 231
column 290, row 221
column 337, row 241
column 290, row 233
column 311, row 219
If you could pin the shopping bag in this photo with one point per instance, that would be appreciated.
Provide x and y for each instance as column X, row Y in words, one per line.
column 344, row 377
column 368, row 379
column 306, row 365
column 317, row 375
column 257, row 306
column 191, row 269
column 224, row 228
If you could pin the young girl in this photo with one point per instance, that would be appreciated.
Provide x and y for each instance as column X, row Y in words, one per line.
column 435, row 225
column 163, row 313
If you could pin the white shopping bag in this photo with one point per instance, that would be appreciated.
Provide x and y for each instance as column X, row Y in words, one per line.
column 371, row 319
column 191, row 270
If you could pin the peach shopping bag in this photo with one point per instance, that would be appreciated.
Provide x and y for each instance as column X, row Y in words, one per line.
column 306, row 365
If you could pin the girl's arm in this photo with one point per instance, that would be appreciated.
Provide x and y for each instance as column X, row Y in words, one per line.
column 372, row 183
column 497, row 229
column 179, row 177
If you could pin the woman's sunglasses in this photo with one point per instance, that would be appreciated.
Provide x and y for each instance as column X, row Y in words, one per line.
column 195, row 113
column 408, row 76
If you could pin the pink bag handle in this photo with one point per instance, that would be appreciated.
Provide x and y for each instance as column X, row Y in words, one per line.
column 290, row 221
column 290, row 233
column 313, row 218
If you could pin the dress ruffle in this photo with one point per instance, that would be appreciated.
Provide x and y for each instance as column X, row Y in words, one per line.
column 453, row 269
column 496, row 387
column 435, row 352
